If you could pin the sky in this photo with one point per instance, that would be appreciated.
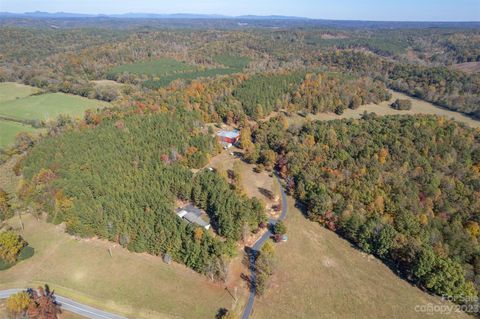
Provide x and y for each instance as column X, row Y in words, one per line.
column 384, row 10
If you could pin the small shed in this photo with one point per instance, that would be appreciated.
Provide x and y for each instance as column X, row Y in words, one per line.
column 167, row 258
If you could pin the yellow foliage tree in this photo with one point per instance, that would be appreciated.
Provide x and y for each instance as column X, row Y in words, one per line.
column 246, row 138
column 473, row 228
column 382, row 155
column 4, row 204
column 18, row 303
column 198, row 234
column 10, row 246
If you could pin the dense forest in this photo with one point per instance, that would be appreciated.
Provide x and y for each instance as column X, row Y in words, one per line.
column 119, row 180
column 403, row 188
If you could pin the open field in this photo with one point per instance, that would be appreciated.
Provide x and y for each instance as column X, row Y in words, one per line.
column 9, row 129
column 418, row 107
column 154, row 67
column 468, row 67
column 11, row 91
column 164, row 71
column 106, row 83
column 321, row 276
column 135, row 285
column 252, row 182
column 48, row 106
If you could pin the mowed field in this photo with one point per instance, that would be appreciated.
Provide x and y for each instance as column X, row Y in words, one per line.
column 134, row 285
column 9, row 130
column 418, row 107
column 320, row 275
column 12, row 91
column 48, row 106
column 22, row 102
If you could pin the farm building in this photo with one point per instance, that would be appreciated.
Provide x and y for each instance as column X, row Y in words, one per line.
column 230, row 137
column 193, row 215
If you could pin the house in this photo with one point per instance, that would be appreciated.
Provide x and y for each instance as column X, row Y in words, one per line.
column 229, row 137
column 193, row 215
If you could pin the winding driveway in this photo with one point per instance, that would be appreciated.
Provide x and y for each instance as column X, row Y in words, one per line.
column 257, row 246
column 70, row 305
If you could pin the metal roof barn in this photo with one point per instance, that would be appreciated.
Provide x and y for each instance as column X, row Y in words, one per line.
column 229, row 136
column 193, row 215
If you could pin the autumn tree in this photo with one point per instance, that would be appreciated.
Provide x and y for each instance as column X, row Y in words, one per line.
column 4, row 205
column 17, row 304
column 43, row 304
column 265, row 267
column 10, row 246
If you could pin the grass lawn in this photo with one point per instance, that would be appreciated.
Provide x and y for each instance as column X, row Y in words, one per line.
column 12, row 91
column 321, row 275
column 48, row 106
column 154, row 67
column 8, row 131
column 135, row 285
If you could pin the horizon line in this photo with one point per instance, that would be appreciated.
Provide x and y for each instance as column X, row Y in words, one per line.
column 219, row 16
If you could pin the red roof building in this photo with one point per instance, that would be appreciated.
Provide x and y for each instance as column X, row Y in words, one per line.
column 231, row 137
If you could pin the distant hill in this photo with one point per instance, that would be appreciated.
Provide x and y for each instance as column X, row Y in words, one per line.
column 192, row 20
column 135, row 15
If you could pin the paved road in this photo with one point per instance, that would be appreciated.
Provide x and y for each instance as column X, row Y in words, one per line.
column 256, row 247
column 72, row 306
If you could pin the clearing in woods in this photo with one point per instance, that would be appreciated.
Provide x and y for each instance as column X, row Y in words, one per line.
column 418, row 107
column 159, row 67
column 320, row 275
column 9, row 130
column 164, row 71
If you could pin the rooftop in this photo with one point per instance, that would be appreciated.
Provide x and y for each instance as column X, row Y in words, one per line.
column 193, row 215
column 229, row 134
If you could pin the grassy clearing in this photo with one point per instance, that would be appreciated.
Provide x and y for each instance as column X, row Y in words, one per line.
column 154, row 67
column 231, row 65
column 252, row 183
column 135, row 285
column 11, row 91
column 8, row 131
column 418, row 107
column 321, row 276
column 48, row 106
column 8, row 180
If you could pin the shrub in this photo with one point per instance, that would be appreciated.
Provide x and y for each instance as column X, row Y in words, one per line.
column 402, row 105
